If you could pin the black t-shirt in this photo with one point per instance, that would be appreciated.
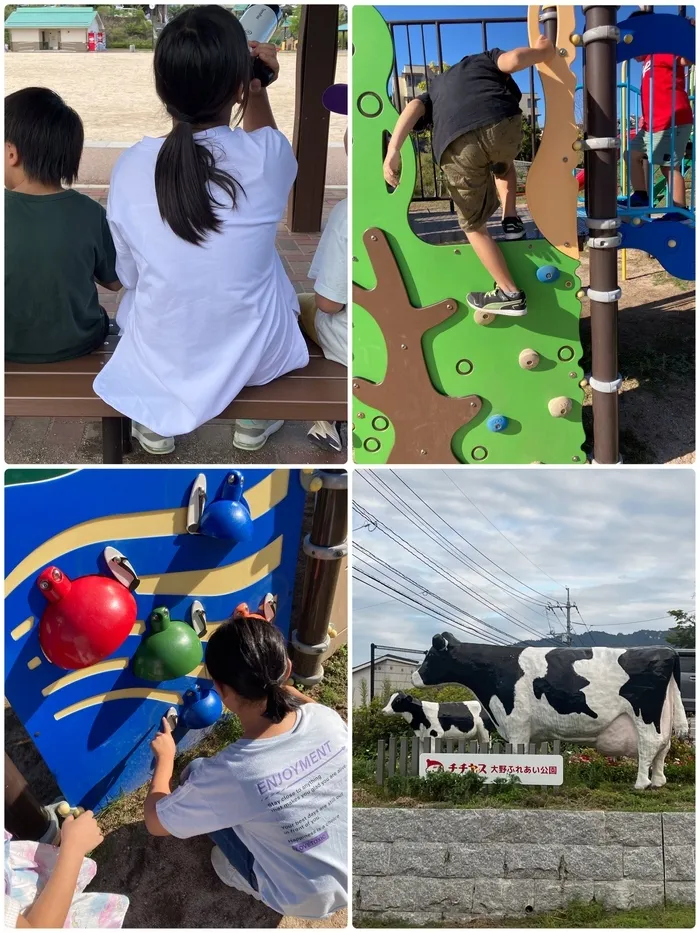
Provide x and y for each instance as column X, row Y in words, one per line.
column 471, row 94
column 56, row 245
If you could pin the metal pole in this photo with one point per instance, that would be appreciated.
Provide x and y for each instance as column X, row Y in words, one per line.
column 600, row 103
column 568, row 617
column 325, row 547
column 25, row 818
column 371, row 671
column 548, row 18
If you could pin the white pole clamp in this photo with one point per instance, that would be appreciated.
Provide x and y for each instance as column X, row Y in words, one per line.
column 314, row 650
column 605, row 242
column 610, row 388
column 605, row 297
column 611, row 223
column 597, row 142
column 601, row 32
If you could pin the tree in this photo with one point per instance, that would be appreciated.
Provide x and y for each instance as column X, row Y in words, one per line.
column 364, row 691
column 682, row 635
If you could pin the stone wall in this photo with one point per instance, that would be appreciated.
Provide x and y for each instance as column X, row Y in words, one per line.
column 429, row 866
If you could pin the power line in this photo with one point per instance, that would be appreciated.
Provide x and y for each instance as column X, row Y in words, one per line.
column 429, row 611
column 426, row 592
column 522, row 596
column 483, row 515
column 397, row 539
column 447, row 546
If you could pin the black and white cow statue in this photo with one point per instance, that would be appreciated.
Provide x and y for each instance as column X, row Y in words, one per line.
column 464, row 720
column 622, row 701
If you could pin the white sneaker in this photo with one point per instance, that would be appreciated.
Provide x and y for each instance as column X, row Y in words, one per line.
column 252, row 434
column 151, row 442
column 228, row 874
column 325, row 435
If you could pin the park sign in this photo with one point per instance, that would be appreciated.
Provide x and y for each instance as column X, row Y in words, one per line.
column 526, row 769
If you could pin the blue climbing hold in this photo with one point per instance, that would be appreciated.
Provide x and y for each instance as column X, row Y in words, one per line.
column 548, row 273
column 228, row 515
column 497, row 423
column 202, row 707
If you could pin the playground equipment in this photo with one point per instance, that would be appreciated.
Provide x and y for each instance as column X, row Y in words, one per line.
column 434, row 382
column 93, row 723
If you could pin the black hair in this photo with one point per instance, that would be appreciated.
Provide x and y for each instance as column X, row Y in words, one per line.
column 250, row 657
column 201, row 62
column 47, row 133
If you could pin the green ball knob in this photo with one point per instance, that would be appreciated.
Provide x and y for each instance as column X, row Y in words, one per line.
column 170, row 650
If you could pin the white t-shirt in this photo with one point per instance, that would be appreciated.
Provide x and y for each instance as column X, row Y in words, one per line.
column 201, row 322
column 286, row 798
column 329, row 269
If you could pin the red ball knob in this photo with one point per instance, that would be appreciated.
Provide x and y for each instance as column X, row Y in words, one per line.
column 86, row 620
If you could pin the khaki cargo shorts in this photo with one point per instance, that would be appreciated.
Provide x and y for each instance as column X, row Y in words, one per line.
column 663, row 145
column 469, row 164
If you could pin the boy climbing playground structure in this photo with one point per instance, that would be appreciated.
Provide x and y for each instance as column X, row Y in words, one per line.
column 434, row 382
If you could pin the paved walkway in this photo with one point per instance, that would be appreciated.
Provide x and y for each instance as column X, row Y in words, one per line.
column 59, row 440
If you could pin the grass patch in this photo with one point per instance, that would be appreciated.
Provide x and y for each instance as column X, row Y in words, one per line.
column 576, row 915
column 671, row 798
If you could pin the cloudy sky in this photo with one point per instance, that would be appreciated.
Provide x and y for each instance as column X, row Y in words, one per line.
column 623, row 540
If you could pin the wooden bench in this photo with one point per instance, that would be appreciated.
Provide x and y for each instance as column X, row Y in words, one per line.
column 64, row 390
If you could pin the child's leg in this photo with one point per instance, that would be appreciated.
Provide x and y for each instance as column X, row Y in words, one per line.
column 307, row 316
column 507, row 188
column 237, row 854
column 491, row 258
column 677, row 146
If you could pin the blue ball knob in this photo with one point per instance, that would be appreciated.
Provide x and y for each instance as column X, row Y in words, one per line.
column 497, row 423
column 548, row 273
column 202, row 707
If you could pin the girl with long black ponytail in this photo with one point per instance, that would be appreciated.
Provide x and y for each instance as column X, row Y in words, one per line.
column 274, row 802
column 208, row 308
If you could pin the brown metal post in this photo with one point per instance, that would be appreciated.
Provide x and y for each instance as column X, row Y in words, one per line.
column 600, row 104
column 325, row 548
column 25, row 818
column 548, row 18
column 316, row 57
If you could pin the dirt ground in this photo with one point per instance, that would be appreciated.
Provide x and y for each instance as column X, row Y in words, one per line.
column 113, row 92
column 657, row 363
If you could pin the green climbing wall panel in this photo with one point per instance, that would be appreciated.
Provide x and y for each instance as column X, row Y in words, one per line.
column 462, row 358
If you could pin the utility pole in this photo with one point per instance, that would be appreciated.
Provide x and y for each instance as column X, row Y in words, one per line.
column 371, row 671
column 568, row 606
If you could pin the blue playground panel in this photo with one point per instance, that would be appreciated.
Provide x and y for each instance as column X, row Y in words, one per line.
column 100, row 750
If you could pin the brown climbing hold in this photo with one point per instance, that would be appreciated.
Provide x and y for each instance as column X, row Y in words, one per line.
column 406, row 387
column 560, row 406
column 528, row 359
column 483, row 317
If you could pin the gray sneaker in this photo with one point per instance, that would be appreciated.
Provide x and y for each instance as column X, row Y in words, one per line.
column 253, row 434
column 325, row 435
column 151, row 442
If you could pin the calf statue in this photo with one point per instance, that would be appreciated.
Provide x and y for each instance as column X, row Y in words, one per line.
column 622, row 701
column 465, row 720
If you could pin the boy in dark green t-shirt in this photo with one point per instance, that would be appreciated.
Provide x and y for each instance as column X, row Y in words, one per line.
column 57, row 241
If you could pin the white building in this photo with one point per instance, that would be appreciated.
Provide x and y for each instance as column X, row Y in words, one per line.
column 54, row 28
column 388, row 669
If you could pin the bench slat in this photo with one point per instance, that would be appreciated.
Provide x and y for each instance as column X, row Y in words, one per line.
column 64, row 390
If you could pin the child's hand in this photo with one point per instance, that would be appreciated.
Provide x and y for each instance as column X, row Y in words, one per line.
column 163, row 745
column 81, row 835
column 267, row 53
column 546, row 46
column 392, row 167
